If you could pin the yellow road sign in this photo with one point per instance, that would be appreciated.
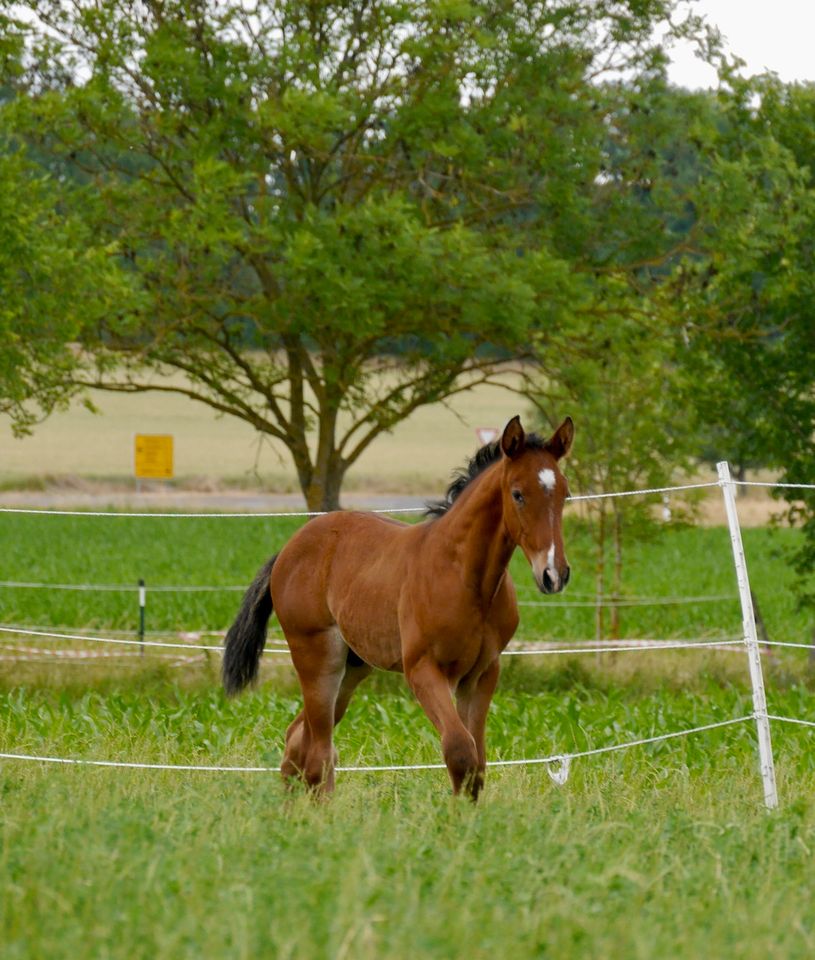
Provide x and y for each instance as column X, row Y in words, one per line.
column 154, row 456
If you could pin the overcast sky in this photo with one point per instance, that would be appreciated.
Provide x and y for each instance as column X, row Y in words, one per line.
column 776, row 35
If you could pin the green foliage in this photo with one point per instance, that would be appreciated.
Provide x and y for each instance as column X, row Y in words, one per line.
column 624, row 385
column 52, row 280
column 746, row 301
column 331, row 182
column 625, row 388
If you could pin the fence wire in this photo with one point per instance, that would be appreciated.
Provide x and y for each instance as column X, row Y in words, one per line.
column 783, row 486
column 317, row 513
column 606, row 601
column 557, row 758
column 543, row 648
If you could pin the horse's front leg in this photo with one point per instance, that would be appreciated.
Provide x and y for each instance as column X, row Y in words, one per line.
column 473, row 702
column 432, row 690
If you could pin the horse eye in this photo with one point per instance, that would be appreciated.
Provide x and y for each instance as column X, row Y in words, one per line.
column 517, row 496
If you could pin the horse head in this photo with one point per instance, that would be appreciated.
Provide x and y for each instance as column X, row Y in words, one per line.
column 534, row 491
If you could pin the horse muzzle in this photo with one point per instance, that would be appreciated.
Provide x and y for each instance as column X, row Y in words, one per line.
column 551, row 580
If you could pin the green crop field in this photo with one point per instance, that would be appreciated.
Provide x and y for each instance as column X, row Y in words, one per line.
column 661, row 850
column 211, row 552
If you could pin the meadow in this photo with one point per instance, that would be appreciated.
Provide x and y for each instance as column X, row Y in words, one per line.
column 661, row 850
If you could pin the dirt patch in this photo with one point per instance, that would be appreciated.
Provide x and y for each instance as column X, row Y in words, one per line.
column 191, row 500
column 757, row 509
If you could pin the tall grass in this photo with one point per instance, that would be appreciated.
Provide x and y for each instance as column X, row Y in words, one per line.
column 660, row 850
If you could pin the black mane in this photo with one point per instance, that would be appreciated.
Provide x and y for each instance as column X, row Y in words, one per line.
column 484, row 457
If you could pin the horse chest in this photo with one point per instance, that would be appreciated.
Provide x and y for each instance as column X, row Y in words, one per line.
column 457, row 635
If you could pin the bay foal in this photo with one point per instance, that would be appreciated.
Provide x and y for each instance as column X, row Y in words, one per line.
column 353, row 591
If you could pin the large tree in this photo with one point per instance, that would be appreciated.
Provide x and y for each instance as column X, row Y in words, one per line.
column 300, row 192
column 746, row 300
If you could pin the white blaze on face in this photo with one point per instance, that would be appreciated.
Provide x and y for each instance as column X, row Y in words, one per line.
column 550, row 566
column 548, row 482
column 542, row 562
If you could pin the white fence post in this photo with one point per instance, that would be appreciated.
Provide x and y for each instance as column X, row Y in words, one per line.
column 765, row 746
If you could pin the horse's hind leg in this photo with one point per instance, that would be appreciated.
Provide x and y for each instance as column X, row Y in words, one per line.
column 356, row 670
column 294, row 759
column 294, row 756
column 320, row 660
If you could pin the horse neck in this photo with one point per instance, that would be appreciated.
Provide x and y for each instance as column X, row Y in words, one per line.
column 474, row 528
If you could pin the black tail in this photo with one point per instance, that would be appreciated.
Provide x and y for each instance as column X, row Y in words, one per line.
column 247, row 636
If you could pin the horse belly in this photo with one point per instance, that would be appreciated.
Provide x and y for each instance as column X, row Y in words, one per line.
column 370, row 627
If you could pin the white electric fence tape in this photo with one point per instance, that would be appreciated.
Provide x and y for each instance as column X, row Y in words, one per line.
column 590, row 646
column 626, row 602
column 317, row 513
column 803, row 723
column 646, row 492
column 784, row 486
column 167, row 515
column 116, row 640
column 388, row 510
column 652, row 601
column 116, row 587
column 563, row 760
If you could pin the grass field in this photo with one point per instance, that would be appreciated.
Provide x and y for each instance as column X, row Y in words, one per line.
column 662, row 850
column 215, row 552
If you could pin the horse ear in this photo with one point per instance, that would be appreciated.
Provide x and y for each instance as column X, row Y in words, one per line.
column 513, row 439
column 561, row 440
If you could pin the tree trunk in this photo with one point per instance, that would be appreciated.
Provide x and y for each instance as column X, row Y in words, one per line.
column 741, row 476
column 618, row 572
column 323, row 492
column 321, row 478
column 761, row 629
column 320, row 482
column 600, row 575
column 323, row 489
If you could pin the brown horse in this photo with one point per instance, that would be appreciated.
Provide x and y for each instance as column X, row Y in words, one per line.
column 354, row 591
